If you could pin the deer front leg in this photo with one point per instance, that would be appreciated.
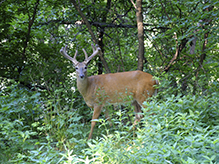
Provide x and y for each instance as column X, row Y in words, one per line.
column 96, row 114
column 138, row 112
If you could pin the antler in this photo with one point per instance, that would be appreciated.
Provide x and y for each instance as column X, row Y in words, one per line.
column 64, row 53
column 87, row 59
column 95, row 52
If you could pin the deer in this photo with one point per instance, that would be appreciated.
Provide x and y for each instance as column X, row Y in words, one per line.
column 112, row 88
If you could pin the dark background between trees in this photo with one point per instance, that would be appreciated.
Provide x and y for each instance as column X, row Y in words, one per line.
column 176, row 41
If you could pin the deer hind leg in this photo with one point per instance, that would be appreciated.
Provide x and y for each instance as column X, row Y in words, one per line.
column 141, row 102
column 138, row 112
column 96, row 114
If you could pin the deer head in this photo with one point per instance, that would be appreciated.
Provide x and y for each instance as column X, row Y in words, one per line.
column 81, row 67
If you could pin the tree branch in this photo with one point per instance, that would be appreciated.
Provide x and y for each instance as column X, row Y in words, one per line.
column 178, row 50
column 107, row 25
column 133, row 4
column 120, row 16
column 165, row 10
column 30, row 24
column 31, row 21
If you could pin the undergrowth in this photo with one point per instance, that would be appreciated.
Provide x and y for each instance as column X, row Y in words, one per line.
column 175, row 129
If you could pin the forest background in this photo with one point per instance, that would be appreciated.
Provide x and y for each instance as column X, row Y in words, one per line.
column 44, row 119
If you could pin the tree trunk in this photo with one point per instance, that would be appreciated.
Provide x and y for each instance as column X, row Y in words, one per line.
column 101, row 35
column 140, row 34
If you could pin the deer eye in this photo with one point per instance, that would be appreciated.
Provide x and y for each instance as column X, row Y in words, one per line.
column 76, row 67
column 85, row 67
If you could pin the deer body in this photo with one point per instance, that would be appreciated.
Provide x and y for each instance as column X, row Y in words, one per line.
column 113, row 88
column 137, row 86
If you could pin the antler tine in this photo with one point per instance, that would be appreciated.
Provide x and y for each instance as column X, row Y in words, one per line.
column 85, row 53
column 64, row 53
column 76, row 53
column 95, row 52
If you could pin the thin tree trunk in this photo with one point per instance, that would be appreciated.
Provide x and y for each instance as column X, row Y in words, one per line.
column 91, row 33
column 204, row 25
column 101, row 35
column 140, row 34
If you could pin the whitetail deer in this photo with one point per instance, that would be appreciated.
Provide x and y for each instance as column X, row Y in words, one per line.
column 101, row 90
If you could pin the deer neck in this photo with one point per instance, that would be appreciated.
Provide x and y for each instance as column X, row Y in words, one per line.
column 82, row 85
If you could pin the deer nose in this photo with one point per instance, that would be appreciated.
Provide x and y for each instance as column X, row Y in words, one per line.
column 81, row 76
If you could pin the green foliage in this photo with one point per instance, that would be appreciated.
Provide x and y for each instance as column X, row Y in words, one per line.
column 32, row 126
column 43, row 118
column 174, row 130
column 19, row 112
column 32, row 34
